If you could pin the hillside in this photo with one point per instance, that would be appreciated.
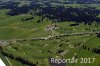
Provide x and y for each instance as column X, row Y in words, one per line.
column 31, row 33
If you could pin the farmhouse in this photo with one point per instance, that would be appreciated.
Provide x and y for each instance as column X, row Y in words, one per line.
column 51, row 27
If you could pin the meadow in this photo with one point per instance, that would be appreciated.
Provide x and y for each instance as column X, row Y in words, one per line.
column 31, row 37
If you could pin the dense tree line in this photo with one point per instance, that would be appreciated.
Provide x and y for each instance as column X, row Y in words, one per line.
column 86, row 15
column 94, row 50
column 98, row 35
column 20, row 59
column 57, row 13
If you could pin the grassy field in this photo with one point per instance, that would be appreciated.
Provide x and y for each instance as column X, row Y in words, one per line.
column 37, row 51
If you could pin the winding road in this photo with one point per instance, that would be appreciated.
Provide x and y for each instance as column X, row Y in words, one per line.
column 47, row 37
